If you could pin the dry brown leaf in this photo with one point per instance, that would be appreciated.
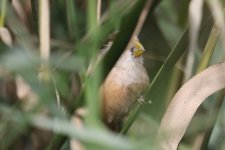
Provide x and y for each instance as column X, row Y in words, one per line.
column 186, row 102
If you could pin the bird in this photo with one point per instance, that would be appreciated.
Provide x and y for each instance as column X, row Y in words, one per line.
column 126, row 82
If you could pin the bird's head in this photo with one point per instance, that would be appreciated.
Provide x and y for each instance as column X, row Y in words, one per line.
column 137, row 49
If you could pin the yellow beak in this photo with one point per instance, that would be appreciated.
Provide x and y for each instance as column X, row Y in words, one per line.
column 138, row 52
column 139, row 49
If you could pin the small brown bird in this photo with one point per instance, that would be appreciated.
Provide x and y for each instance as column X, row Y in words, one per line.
column 126, row 82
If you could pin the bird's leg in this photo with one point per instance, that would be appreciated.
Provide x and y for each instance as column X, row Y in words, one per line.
column 141, row 100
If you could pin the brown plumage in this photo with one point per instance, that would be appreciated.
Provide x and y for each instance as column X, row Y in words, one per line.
column 127, row 81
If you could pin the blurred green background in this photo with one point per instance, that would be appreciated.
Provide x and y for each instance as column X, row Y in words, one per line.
column 53, row 90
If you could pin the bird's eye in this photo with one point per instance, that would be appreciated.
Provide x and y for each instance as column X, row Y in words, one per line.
column 132, row 49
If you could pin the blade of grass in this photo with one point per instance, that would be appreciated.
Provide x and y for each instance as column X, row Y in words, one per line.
column 93, row 83
column 3, row 12
column 175, row 80
column 99, row 7
column 92, row 15
column 71, row 18
column 209, row 48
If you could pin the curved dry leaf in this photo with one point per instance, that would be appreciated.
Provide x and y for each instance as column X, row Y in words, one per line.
column 186, row 102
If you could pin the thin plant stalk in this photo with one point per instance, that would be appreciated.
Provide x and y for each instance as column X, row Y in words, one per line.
column 92, row 15
column 175, row 81
column 99, row 7
column 44, row 31
column 209, row 48
column 94, row 81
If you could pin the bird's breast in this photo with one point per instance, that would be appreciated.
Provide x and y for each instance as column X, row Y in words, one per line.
column 130, row 74
column 121, row 88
